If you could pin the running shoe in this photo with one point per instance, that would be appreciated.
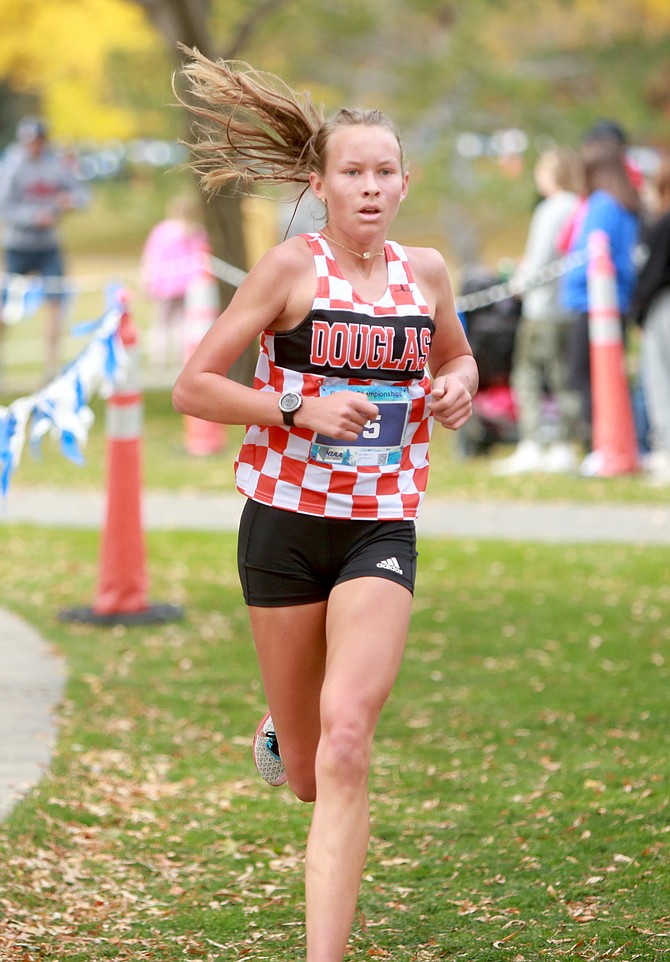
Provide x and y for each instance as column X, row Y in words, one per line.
column 266, row 753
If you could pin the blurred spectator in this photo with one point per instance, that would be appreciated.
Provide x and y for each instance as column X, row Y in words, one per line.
column 491, row 330
column 171, row 258
column 612, row 204
column 540, row 361
column 37, row 186
column 609, row 131
column 651, row 309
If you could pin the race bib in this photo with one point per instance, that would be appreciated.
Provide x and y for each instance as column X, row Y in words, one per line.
column 380, row 443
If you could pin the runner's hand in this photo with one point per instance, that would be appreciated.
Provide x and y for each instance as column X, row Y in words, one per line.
column 450, row 402
column 341, row 415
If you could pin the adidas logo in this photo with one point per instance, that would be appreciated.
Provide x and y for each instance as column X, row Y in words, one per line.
column 391, row 564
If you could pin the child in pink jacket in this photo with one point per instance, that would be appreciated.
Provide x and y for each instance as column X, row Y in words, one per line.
column 170, row 259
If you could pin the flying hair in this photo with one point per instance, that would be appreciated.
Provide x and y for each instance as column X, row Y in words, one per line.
column 252, row 128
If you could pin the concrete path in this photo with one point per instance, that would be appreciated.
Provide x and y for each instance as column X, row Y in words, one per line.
column 509, row 520
column 32, row 676
column 32, row 679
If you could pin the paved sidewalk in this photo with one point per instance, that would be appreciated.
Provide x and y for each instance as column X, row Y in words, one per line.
column 32, row 680
column 509, row 520
column 32, row 676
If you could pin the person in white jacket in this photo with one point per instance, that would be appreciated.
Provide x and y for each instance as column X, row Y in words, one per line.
column 539, row 363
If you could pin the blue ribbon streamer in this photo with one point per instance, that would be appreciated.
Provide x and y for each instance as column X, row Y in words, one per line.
column 80, row 400
column 7, row 431
column 70, row 448
column 56, row 404
column 33, row 298
column 111, row 357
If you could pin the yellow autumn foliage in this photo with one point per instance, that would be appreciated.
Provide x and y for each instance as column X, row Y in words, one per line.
column 59, row 51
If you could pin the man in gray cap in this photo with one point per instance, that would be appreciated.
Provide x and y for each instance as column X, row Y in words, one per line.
column 37, row 186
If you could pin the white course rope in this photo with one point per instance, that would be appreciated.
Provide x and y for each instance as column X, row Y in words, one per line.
column 23, row 295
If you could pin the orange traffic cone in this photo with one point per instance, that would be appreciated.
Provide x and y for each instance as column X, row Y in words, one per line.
column 202, row 307
column 615, row 449
column 121, row 596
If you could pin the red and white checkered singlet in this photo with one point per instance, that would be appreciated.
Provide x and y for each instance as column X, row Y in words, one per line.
column 347, row 342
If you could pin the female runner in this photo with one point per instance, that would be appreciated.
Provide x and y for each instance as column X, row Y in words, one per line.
column 334, row 463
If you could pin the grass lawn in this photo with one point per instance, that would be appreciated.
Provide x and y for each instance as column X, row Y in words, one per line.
column 519, row 783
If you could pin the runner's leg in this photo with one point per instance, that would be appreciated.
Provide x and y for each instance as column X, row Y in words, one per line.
column 291, row 649
column 367, row 629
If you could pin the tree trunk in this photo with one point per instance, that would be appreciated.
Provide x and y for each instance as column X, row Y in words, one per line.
column 187, row 22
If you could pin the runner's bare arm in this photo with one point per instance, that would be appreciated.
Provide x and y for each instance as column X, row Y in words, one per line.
column 277, row 294
column 454, row 370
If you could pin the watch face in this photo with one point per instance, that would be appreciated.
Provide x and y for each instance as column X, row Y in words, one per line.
column 290, row 402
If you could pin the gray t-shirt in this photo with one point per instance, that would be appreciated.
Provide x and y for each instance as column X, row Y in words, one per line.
column 32, row 189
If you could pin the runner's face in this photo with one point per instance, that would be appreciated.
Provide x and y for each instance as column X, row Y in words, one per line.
column 363, row 182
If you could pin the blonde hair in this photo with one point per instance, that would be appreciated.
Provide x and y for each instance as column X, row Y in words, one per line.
column 254, row 129
column 563, row 167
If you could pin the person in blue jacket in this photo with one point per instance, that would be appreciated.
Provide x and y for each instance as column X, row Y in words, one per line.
column 611, row 204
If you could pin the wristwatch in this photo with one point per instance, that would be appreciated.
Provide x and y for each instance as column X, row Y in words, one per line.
column 288, row 405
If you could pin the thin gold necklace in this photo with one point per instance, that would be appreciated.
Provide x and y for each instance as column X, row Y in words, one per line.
column 365, row 256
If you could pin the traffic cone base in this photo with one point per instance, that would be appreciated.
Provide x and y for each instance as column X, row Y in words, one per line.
column 614, row 435
column 123, row 581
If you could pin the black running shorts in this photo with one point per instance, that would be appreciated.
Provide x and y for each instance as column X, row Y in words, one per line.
column 285, row 558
